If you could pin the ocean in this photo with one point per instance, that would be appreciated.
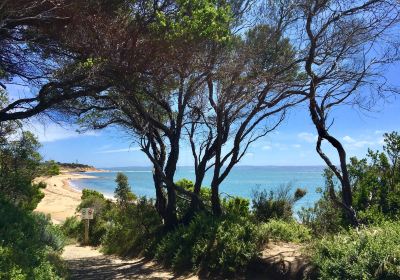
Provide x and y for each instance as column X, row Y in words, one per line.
column 242, row 180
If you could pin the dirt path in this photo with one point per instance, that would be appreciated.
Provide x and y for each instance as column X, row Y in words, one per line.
column 88, row 263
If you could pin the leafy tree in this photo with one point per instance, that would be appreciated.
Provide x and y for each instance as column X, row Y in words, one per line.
column 376, row 181
column 153, row 100
column 123, row 191
column 19, row 165
column 40, row 48
column 376, row 192
column 343, row 50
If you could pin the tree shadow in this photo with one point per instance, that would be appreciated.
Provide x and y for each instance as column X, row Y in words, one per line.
column 102, row 267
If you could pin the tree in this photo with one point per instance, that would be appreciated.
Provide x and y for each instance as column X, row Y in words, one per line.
column 19, row 166
column 342, row 47
column 153, row 102
column 37, row 50
column 123, row 192
column 248, row 93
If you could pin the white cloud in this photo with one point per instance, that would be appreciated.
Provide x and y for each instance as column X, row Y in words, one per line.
column 348, row 139
column 119, row 150
column 352, row 143
column 380, row 132
column 51, row 132
column 266, row 147
column 307, row 136
column 248, row 154
column 297, row 146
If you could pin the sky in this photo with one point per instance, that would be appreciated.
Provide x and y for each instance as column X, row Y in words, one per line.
column 291, row 144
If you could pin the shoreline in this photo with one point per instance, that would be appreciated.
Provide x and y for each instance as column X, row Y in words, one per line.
column 60, row 197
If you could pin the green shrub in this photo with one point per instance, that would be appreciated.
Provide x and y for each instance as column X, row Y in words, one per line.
column 325, row 217
column 215, row 245
column 184, row 204
column 368, row 253
column 288, row 231
column 102, row 207
column 88, row 193
column 275, row 204
column 29, row 245
column 20, row 164
column 72, row 227
column 236, row 206
column 132, row 230
column 50, row 168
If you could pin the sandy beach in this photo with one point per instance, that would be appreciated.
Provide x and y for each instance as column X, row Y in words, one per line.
column 60, row 200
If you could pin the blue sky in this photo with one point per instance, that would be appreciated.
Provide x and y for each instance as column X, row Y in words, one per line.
column 293, row 143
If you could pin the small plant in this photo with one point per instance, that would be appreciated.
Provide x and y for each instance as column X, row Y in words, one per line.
column 213, row 245
column 369, row 253
column 287, row 231
column 275, row 204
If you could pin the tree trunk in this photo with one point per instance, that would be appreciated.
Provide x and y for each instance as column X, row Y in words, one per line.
column 160, row 196
column 171, row 219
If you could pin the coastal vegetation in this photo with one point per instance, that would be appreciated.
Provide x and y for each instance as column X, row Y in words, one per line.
column 216, row 76
column 29, row 243
column 228, row 244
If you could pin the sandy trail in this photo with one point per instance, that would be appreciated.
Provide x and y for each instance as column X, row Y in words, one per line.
column 88, row 263
column 60, row 200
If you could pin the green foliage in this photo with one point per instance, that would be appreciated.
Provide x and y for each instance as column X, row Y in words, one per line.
column 236, row 206
column 368, row 253
column 88, row 193
column 72, row 227
column 133, row 230
column 102, row 207
column 376, row 191
column 376, row 179
column 288, row 231
column 214, row 245
column 195, row 19
column 275, row 205
column 123, row 192
column 19, row 165
column 29, row 245
column 50, row 168
column 184, row 204
column 269, row 52
column 324, row 216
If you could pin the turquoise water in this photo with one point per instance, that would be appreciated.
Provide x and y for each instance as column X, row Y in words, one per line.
column 241, row 181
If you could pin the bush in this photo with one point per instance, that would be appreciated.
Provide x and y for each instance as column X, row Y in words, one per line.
column 369, row 253
column 275, row 205
column 236, row 206
column 133, row 230
column 183, row 205
column 98, row 225
column 29, row 245
column 215, row 245
column 72, row 227
column 50, row 168
column 325, row 216
column 288, row 231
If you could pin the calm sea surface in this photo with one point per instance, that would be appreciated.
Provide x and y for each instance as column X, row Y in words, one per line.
column 241, row 181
